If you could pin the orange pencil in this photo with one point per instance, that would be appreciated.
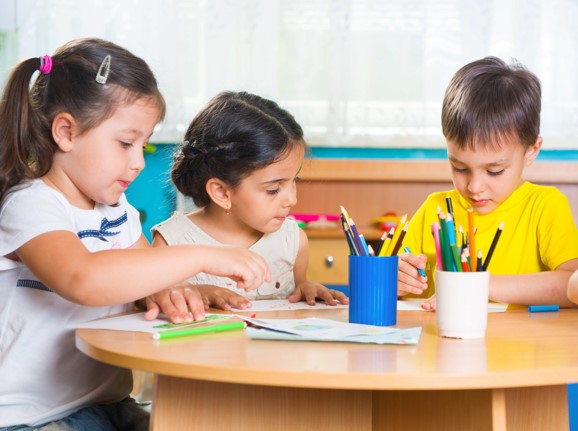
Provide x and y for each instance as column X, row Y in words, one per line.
column 472, row 237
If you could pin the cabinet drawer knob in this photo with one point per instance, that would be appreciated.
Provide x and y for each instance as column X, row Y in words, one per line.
column 329, row 261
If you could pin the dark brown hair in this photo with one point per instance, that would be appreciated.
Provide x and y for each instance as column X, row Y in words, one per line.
column 235, row 134
column 27, row 112
column 488, row 100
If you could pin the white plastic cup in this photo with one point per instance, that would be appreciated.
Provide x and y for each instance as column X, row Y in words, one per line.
column 462, row 303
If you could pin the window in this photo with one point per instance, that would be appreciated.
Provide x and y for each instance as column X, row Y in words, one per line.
column 356, row 73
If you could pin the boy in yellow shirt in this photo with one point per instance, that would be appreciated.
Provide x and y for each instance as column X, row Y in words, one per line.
column 491, row 122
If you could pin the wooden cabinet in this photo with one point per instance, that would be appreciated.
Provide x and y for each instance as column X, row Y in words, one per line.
column 328, row 260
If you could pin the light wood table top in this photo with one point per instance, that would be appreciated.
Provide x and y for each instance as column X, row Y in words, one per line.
column 514, row 379
column 520, row 349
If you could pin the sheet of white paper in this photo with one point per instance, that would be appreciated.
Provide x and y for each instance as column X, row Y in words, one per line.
column 415, row 305
column 136, row 322
column 314, row 329
column 283, row 304
column 404, row 305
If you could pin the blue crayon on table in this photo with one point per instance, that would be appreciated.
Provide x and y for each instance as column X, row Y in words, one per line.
column 421, row 271
column 543, row 308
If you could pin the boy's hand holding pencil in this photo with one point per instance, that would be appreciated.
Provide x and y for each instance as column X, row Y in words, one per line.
column 409, row 280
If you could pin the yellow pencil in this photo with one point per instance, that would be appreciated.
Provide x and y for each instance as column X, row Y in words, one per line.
column 396, row 235
column 386, row 242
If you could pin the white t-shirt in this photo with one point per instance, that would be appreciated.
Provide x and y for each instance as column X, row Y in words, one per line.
column 43, row 377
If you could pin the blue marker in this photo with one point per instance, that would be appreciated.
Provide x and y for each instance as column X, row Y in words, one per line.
column 543, row 308
column 421, row 271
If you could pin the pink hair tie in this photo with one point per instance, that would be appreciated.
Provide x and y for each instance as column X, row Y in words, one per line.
column 45, row 64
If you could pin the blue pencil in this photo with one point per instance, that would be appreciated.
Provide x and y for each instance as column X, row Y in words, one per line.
column 356, row 238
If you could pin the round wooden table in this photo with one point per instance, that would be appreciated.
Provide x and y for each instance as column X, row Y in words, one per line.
column 513, row 379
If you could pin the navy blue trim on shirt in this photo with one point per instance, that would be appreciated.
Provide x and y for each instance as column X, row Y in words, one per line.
column 105, row 225
column 33, row 284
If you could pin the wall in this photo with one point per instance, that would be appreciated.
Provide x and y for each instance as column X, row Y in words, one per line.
column 152, row 193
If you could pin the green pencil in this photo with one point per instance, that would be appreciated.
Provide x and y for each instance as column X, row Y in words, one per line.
column 231, row 326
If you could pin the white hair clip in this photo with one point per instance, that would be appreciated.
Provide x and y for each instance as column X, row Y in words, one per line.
column 103, row 70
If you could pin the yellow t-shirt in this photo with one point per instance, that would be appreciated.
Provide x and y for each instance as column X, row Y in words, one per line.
column 539, row 230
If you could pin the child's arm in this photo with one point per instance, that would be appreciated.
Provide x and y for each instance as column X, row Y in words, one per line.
column 179, row 300
column 548, row 287
column 572, row 289
column 307, row 290
column 62, row 262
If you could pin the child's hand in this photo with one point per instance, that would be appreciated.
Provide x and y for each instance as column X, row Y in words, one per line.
column 308, row 291
column 247, row 269
column 429, row 304
column 181, row 303
column 219, row 297
column 408, row 278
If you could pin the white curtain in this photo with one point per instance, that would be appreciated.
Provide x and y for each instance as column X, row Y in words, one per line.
column 355, row 73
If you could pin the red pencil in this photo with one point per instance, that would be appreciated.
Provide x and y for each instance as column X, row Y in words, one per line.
column 465, row 265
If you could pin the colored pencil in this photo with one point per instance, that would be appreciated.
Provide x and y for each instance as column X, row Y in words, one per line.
column 456, row 257
column 364, row 244
column 370, row 250
column 464, row 243
column 396, row 234
column 451, row 229
column 345, row 213
column 435, row 229
column 400, row 240
column 445, row 246
column 380, row 243
column 472, row 237
column 493, row 246
column 479, row 265
column 449, row 205
column 386, row 242
column 348, row 236
column 467, row 254
column 356, row 238
column 464, row 262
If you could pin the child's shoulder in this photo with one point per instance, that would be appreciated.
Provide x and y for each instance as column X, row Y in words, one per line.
column 177, row 220
column 533, row 191
column 34, row 194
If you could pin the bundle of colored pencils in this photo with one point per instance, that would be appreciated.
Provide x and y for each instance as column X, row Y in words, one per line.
column 457, row 255
column 388, row 245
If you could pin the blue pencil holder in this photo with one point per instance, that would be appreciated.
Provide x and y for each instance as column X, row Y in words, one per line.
column 373, row 290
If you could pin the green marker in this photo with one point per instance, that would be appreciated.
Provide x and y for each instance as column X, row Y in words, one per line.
column 231, row 326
